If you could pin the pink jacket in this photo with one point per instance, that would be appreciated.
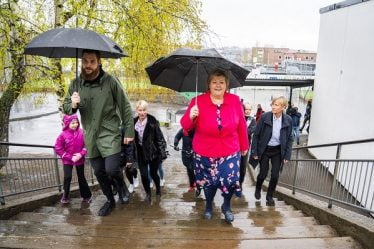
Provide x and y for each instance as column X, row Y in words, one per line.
column 70, row 142
column 208, row 139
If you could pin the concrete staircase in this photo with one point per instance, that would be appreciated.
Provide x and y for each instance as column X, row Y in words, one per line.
column 175, row 221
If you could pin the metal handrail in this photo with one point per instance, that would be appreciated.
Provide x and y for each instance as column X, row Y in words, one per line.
column 32, row 174
column 344, row 181
column 370, row 140
column 26, row 145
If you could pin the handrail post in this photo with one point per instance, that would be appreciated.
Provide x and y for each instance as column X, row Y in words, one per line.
column 2, row 199
column 57, row 173
column 336, row 168
column 295, row 172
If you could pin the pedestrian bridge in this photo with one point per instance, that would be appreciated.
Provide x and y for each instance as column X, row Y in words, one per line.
column 175, row 220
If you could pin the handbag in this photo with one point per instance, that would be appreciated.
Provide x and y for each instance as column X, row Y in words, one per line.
column 253, row 162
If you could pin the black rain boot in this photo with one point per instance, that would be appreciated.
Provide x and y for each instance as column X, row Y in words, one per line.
column 107, row 208
column 269, row 195
column 226, row 207
column 258, row 188
column 209, row 196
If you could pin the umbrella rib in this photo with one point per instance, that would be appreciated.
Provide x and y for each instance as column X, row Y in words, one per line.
column 181, row 84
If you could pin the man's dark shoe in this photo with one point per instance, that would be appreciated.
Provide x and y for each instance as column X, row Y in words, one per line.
column 107, row 208
column 270, row 201
column 208, row 214
column 229, row 216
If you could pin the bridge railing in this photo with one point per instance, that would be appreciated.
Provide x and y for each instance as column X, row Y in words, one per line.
column 20, row 176
column 345, row 181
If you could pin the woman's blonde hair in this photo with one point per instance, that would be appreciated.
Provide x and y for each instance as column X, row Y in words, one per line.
column 282, row 100
column 142, row 104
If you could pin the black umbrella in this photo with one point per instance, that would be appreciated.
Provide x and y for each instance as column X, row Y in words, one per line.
column 70, row 42
column 187, row 70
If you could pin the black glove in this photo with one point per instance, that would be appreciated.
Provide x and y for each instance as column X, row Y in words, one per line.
column 176, row 148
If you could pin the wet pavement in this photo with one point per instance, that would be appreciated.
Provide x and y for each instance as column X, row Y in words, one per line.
column 174, row 221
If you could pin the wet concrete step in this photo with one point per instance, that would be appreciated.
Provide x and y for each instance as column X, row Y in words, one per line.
column 225, row 232
column 82, row 220
column 124, row 211
column 77, row 242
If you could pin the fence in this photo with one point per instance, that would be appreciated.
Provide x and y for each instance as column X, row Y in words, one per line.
column 22, row 175
column 346, row 181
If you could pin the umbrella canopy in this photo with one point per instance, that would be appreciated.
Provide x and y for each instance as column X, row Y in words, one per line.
column 70, row 42
column 187, row 70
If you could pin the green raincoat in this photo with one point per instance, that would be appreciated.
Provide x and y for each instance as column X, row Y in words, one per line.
column 104, row 108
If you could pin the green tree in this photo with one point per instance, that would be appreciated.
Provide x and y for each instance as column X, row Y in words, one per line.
column 146, row 29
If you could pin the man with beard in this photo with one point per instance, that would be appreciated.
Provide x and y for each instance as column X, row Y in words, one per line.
column 104, row 109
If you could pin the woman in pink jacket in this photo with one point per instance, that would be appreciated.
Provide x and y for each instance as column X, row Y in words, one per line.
column 220, row 140
column 70, row 147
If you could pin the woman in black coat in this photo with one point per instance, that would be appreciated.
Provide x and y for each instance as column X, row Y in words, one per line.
column 151, row 147
column 272, row 140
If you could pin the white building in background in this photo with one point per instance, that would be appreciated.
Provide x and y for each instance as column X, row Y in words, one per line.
column 344, row 84
column 344, row 91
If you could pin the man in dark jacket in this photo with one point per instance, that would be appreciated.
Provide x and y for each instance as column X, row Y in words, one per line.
column 104, row 108
column 272, row 140
column 187, row 154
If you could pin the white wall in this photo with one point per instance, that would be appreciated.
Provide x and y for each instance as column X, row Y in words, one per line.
column 343, row 104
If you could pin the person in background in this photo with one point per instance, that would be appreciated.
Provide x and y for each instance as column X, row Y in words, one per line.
column 220, row 139
column 128, row 155
column 70, row 147
column 151, row 147
column 259, row 112
column 296, row 116
column 187, row 154
column 307, row 115
column 251, row 126
column 272, row 141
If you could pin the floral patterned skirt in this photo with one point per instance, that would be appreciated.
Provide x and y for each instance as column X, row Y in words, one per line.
column 218, row 172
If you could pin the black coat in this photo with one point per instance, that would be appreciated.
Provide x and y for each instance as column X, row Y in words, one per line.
column 187, row 153
column 153, row 144
column 263, row 133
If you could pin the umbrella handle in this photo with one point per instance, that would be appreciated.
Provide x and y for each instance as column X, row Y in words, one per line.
column 197, row 79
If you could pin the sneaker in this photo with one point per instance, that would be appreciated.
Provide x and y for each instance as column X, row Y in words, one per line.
column 136, row 182
column 64, row 200
column 87, row 200
column 162, row 182
column 131, row 188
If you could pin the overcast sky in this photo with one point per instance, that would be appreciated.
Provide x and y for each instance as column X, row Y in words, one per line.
column 281, row 23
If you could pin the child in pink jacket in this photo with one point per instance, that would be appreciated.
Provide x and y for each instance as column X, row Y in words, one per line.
column 70, row 147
